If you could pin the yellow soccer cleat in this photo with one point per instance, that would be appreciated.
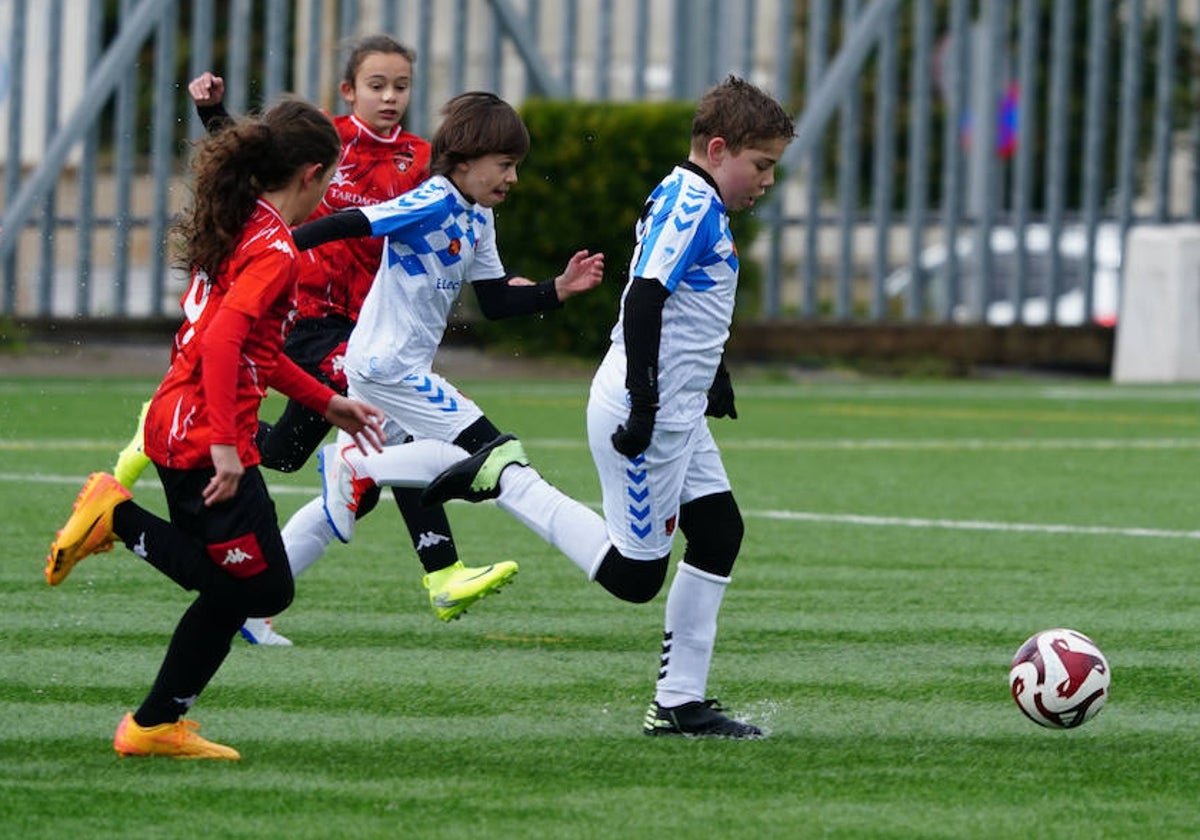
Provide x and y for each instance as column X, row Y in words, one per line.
column 89, row 529
column 454, row 588
column 132, row 462
column 177, row 740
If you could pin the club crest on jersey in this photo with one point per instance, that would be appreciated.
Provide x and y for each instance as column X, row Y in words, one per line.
column 454, row 247
column 669, row 528
column 240, row 557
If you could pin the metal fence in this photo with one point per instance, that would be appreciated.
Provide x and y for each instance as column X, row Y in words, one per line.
column 956, row 161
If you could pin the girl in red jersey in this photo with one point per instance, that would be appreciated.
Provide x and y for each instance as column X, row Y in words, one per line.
column 253, row 181
column 379, row 161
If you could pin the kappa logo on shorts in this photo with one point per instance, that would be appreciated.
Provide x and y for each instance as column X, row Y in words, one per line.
column 241, row 557
column 235, row 556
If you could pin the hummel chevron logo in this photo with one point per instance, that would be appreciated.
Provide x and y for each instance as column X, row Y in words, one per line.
column 638, row 495
column 682, row 225
column 438, row 397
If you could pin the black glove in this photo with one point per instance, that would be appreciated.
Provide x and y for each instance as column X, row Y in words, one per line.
column 720, row 396
column 633, row 436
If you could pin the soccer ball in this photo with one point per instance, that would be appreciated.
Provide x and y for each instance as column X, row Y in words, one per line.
column 1059, row 678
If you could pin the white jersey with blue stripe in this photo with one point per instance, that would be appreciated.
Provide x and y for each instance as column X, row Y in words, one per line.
column 436, row 242
column 684, row 243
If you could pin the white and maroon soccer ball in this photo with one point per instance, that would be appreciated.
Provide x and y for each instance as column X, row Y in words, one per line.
column 1059, row 678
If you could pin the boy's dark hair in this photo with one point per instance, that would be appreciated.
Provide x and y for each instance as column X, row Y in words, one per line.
column 369, row 45
column 743, row 115
column 233, row 167
column 475, row 124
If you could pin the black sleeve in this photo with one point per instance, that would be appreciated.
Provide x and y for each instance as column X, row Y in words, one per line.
column 498, row 300
column 344, row 224
column 213, row 116
column 643, row 331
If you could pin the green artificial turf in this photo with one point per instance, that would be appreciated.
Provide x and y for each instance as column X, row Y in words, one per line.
column 902, row 540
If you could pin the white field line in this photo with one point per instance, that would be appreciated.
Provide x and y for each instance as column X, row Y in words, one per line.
column 971, row 525
column 781, row 444
column 852, row 519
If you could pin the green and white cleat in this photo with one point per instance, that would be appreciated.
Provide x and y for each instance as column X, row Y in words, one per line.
column 453, row 589
column 478, row 477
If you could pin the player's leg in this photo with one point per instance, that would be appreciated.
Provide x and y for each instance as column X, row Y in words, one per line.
column 432, row 409
column 347, row 474
column 288, row 443
column 306, row 535
column 500, row 470
column 712, row 525
column 241, row 570
column 452, row 585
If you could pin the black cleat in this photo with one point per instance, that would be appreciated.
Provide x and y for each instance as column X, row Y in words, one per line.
column 696, row 719
column 477, row 477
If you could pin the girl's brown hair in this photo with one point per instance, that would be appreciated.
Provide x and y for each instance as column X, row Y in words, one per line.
column 369, row 45
column 233, row 167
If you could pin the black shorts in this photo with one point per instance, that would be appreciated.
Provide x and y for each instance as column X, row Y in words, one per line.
column 317, row 346
column 241, row 555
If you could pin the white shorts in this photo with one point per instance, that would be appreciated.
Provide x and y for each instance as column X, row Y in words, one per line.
column 423, row 406
column 642, row 496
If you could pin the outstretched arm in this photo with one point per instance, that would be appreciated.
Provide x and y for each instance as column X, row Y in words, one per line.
column 521, row 296
column 583, row 273
column 345, row 224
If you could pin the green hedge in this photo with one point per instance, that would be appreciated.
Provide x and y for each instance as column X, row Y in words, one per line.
column 583, row 185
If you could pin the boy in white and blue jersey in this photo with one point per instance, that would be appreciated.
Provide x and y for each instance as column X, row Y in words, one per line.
column 660, row 470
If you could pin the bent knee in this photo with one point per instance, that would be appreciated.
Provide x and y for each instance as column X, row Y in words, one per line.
column 636, row 581
column 271, row 596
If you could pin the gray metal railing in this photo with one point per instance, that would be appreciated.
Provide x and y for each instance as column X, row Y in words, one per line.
column 955, row 160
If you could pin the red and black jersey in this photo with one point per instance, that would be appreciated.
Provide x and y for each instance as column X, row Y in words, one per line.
column 372, row 169
column 257, row 282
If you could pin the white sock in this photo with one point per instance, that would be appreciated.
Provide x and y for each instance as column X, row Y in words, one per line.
column 306, row 535
column 412, row 464
column 690, row 633
column 570, row 526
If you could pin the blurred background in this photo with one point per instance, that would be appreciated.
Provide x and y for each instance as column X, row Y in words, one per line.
column 964, row 181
